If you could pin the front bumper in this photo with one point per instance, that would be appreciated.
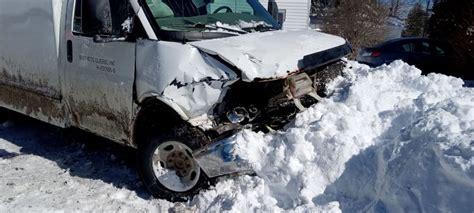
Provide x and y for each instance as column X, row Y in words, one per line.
column 221, row 158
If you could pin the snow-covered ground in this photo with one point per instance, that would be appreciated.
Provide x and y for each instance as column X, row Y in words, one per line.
column 387, row 139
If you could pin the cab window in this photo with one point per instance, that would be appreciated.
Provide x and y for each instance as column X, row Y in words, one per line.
column 100, row 17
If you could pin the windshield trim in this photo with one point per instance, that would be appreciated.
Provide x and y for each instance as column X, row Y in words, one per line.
column 149, row 16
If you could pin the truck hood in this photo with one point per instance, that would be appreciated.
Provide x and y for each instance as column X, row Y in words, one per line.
column 275, row 54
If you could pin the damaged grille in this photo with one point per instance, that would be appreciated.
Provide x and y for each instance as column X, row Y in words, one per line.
column 272, row 104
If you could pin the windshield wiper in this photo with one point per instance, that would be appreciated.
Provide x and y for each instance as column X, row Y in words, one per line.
column 216, row 27
column 260, row 28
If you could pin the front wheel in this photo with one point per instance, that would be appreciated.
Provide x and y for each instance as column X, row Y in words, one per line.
column 4, row 115
column 167, row 166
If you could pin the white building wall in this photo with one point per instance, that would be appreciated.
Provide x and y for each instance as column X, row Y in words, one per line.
column 297, row 12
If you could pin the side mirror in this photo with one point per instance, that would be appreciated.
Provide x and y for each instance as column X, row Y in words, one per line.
column 273, row 9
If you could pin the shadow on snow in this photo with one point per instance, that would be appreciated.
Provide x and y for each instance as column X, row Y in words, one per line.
column 81, row 154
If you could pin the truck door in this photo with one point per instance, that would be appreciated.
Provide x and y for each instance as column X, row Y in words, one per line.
column 101, row 67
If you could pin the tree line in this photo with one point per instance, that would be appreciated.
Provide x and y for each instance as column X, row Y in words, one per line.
column 362, row 22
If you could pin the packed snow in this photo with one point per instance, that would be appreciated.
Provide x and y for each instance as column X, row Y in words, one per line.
column 386, row 139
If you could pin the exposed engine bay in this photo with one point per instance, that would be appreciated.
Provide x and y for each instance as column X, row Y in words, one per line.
column 268, row 105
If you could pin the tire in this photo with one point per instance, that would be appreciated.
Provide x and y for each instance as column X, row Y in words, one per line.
column 4, row 115
column 166, row 166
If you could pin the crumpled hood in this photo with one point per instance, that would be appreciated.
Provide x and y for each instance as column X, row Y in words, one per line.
column 269, row 55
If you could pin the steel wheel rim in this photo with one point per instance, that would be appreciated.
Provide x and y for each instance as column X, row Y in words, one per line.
column 174, row 166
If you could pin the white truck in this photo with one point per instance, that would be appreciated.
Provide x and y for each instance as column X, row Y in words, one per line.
column 173, row 78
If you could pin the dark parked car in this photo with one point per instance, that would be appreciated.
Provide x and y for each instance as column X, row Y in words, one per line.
column 426, row 54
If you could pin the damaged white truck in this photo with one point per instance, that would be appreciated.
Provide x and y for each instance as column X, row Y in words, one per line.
column 173, row 78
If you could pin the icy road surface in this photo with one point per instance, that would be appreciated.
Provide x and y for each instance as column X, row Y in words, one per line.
column 388, row 139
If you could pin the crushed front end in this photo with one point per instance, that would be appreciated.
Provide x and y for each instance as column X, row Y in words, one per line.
column 222, row 86
column 260, row 106
column 267, row 105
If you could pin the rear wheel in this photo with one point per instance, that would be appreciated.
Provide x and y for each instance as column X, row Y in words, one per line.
column 167, row 166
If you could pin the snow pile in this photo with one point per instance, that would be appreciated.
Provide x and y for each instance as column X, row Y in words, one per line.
column 387, row 139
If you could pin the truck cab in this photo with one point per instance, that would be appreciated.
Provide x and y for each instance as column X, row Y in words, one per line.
column 173, row 78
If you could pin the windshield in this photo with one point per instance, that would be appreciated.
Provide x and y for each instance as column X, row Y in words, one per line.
column 233, row 16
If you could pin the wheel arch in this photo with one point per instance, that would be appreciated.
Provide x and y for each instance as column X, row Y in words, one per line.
column 155, row 113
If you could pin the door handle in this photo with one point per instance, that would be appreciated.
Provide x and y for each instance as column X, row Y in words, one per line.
column 69, row 51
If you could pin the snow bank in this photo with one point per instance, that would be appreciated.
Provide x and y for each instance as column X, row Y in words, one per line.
column 387, row 139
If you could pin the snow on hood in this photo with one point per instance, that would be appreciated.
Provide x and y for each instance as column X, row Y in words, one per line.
column 270, row 54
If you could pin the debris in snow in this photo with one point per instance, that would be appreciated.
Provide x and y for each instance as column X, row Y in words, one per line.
column 387, row 140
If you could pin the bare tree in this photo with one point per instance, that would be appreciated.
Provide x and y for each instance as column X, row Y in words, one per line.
column 362, row 22
column 416, row 22
column 320, row 7
column 396, row 7
column 453, row 21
